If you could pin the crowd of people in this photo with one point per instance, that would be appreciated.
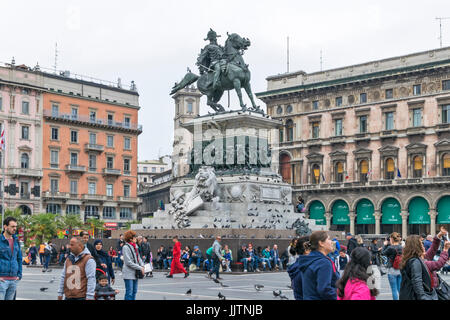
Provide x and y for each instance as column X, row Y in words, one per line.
column 326, row 270
column 320, row 268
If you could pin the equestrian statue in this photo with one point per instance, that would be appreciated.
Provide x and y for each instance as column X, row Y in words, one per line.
column 221, row 68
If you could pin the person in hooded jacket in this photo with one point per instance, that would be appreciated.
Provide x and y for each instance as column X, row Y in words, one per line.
column 319, row 273
column 294, row 272
column 353, row 283
column 104, row 259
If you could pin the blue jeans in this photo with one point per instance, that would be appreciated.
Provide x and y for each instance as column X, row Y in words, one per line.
column 216, row 266
column 277, row 262
column 266, row 260
column 255, row 263
column 46, row 261
column 167, row 263
column 8, row 289
column 245, row 262
column 196, row 260
column 395, row 282
column 131, row 287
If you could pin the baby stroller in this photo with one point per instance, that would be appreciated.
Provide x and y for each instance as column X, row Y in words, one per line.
column 103, row 295
column 107, row 295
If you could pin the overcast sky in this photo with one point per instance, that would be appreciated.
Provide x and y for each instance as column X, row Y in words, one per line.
column 152, row 42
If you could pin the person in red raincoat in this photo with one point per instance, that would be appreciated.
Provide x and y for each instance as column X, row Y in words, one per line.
column 176, row 266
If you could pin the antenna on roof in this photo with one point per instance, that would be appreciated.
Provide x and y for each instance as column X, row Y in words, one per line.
column 56, row 56
column 440, row 27
column 321, row 60
column 288, row 54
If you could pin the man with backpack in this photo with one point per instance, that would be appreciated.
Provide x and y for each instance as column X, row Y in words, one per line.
column 393, row 251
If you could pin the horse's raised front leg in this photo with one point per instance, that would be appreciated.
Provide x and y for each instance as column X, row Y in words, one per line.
column 248, row 89
column 237, row 87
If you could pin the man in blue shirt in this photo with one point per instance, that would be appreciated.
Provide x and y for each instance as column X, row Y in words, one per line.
column 10, row 260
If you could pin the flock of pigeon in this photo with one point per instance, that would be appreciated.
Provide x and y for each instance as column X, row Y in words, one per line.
column 258, row 288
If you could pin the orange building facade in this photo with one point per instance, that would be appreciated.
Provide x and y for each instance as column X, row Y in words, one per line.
column 90, row 156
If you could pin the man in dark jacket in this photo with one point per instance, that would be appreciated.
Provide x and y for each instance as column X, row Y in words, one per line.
column 351, row 244
column 145, row 249
column 33, row 251
column 10, row 260
column 244, row 256
column 196, row 257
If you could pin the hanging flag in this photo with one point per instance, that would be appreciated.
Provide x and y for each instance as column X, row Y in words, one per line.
column 398, row 173
column 346, row 175
column 2, row 140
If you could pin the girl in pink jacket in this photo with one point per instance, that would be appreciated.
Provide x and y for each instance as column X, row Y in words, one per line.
column 353, row 283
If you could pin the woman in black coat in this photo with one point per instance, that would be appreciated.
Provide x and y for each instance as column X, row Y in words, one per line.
column 104, row 258
column 416, row 280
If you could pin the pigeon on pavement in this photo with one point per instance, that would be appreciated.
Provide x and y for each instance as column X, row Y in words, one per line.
column 277, row 294
column 258, row 287
column 221, row 296
column 189, row 292
column 43, row 289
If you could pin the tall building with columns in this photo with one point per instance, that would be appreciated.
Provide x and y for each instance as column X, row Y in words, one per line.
column 367, row 146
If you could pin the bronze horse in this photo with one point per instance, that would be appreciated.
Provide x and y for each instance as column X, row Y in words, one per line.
column 235, row 75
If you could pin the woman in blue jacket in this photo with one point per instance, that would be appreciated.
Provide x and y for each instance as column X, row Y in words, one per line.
column 302, row 249
column 319, row 274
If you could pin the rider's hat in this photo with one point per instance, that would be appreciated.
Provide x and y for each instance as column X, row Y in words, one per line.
column 212, row 35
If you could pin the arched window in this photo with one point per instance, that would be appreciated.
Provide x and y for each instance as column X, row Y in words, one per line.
column 25, row 210
column 285, row 167
column 363, row 170
column 289, row 130
column 418, row 164
column 315, row 172
column 24, row 161
column 446, row 164
column 389, row 169
column 339, row 172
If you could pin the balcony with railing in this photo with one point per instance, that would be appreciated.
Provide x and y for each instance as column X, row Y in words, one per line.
column 92, row 121
column 75, row 168
column 56, row 195
column 111, row 172
column 25, row 195
column 93, row 147
column 129, row 199
column 93, row 197
column 21, row 172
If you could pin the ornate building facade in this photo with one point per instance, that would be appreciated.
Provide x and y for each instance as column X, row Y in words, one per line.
column 368, row 146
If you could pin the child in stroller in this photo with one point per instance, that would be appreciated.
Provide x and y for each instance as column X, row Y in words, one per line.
column 103, row 290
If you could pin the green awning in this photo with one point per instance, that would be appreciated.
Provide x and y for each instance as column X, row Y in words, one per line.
column 340, row 213
column 317, row 212
column 443, row 210
column 418, row 211
column 364, row 212
column 390, row 210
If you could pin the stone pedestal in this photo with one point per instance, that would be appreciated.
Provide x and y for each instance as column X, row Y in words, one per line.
column 247, row 193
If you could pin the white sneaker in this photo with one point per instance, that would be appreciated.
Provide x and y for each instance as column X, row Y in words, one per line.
column 245, row 270
column 257, row 270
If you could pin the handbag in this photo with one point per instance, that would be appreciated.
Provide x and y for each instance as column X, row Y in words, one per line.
column 138, row 273
column 443, row 289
